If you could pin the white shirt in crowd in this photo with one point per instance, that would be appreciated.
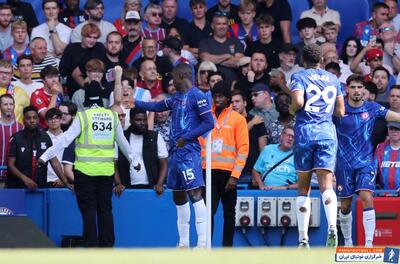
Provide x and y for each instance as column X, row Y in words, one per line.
column 51, row 174
column 42, row 30
column 136, row 144
column 28, row 88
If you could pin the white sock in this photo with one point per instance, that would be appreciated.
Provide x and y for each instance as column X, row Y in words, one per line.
column 346, row 221
column 303, row 218
column 200, row 211
column 331, row 208
column 369, row 225
column 183, row 213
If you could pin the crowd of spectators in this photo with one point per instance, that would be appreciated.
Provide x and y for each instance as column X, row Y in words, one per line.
column 57, row 66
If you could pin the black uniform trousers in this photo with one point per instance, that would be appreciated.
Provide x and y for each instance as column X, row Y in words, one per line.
column 228, row 199
column 94, row 195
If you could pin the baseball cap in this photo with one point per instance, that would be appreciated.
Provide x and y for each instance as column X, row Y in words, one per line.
column 132, row 15
column 286, row 48
column 373, row 53
column 173, row 43
column 258, row 87
column 393, row 124
column 222, row 87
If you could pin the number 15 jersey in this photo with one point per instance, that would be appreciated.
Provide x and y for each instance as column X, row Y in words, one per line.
column 314, row 120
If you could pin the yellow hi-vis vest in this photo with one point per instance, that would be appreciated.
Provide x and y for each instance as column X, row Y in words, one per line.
column 94, row 151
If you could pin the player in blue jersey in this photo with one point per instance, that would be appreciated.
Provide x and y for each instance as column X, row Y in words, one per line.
column 316, row 95
column 191, row 118
column 355, row 170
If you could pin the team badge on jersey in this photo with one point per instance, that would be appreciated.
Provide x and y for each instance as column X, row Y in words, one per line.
column 365, row 116
column 38, row 101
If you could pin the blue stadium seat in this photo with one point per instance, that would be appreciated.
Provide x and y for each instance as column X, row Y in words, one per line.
column 351, row 12
column 297, row 6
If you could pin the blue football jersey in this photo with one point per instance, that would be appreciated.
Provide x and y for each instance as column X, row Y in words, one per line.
column 354, row 132
column 314, row 120
column 186, row 111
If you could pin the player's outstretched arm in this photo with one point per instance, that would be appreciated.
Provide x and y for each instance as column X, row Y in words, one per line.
column 392, row 116
column 339, row 106
column 160, row 106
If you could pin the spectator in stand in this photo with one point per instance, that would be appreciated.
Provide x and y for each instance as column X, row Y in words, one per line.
column 23, row 11
column 68, row 111
column 185, row 53
column 149, row 52
column 263, row 105
column 230, row 140
column 71, row 15
column 332, row 56
column 113, row 57
column 38, row 47
column 246, row 30
column 149, row 78
column 380, row 130
column 269, row 46
column 274, row 129
column 274, row 169
column 351, row 47
column 334, row 68
column 277, row 83
column 256, row 74
column 25, row 67
column 92, row 86
column 307, row 28
column 49, row 96
column 53, row 119
column 19, row 32
column 151, row 152
column 257, row 134
column 131, row 50
column 380, row 14
column 94, row 9
column 129, row 5
column 152, row 28
column 391, row 48
column 371, row 92
column 25, row 148
column 6, row 16
column 387, row 159
column 55, row 34
column 77, row 55
column 224, row 6
column 224, row 52
column 200, row 28
column 162, row 122
column 281, row 13
column 172, row 47
column 287, row 61
column 6, row 87
column 394, row 16
column 205, row 68
column 330, row 33
column 8, row 126
column 381, row 77
column 321, row 14
column 170, row 20
column 214, row 77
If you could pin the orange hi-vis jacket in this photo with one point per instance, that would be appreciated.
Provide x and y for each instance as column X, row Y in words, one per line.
column 229, row 142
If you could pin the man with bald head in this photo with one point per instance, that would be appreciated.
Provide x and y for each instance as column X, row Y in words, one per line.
column 149, row 78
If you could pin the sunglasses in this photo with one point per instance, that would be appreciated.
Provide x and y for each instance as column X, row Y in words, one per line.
column 220, row 14
column 156, row 14
column 205, row 71
column 385, row 29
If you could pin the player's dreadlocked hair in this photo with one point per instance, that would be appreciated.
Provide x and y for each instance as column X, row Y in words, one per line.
column 311, row 54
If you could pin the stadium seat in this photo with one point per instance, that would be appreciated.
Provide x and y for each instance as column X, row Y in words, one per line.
column 297, row 6
column 351, row 12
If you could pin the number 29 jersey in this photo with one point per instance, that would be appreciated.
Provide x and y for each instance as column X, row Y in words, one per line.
column 314, row 120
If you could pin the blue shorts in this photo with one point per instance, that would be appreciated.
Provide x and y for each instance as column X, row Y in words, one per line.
column 184, row 170
column 319, row 154
column 350, row 181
